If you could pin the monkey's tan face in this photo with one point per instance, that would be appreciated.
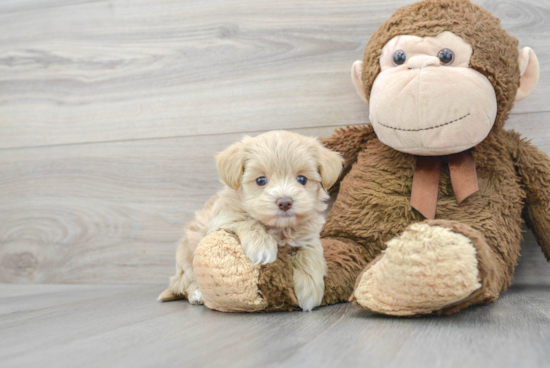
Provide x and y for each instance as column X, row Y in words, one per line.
column 426, row 100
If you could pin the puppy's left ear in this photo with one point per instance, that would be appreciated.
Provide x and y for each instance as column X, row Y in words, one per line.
column 230, row 164
column 330, row 166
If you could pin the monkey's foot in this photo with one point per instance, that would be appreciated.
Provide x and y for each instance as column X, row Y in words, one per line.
column 434, row 266
column 230, row 282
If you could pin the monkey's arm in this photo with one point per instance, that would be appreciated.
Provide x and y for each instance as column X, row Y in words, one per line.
column 534, row 167
column 348, row 142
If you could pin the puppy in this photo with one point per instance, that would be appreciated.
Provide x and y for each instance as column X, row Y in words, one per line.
column 274, row 195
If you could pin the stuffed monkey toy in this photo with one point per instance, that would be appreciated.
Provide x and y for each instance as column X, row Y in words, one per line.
column 429, row 208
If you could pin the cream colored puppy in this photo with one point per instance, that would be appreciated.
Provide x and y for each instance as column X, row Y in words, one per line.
column 274, row 195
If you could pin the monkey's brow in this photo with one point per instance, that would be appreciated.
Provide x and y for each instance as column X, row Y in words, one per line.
column 433, row 127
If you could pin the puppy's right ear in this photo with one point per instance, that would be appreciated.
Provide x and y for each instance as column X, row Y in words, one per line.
column 230, row 164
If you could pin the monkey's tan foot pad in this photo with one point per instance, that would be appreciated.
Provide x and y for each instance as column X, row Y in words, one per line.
column 227, row 279
column 424, row 270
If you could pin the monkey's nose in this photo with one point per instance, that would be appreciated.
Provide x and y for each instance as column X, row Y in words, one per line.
column 419, row 62
column 284, row 203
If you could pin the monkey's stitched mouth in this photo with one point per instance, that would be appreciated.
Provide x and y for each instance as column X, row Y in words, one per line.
column 433, row 127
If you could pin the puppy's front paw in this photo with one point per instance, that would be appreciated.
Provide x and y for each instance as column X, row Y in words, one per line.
column 308, row 303
column 309, row 292
column 260, row 249
column 309, row 277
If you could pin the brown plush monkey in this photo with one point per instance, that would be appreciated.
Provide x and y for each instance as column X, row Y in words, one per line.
column 429, row 209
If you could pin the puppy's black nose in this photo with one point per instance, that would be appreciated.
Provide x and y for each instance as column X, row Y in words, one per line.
column 284, row 203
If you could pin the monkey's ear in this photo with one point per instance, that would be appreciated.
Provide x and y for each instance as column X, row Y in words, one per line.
column 529, row 71
column 230, row 164
column 356, row 73
column 330, row 166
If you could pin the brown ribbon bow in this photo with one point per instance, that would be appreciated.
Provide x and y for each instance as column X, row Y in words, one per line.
column 426, row 180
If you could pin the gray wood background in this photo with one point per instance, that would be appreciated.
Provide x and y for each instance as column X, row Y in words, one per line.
column 111, row 111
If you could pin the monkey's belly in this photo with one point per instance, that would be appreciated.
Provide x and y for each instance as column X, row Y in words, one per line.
column 373, row 205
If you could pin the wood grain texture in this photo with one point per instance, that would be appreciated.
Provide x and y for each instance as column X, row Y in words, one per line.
column 111, row 111
column 74, row 71
column 122, row 326
column 114, row 212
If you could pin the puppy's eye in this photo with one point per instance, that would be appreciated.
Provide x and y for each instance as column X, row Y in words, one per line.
column 446, row 57
column 261, row 181
column 301, row 179
column 399, row 57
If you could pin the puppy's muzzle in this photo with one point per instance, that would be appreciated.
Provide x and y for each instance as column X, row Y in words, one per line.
column 284, row 203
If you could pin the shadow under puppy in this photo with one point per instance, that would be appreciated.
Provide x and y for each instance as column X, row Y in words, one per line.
column 274, row 195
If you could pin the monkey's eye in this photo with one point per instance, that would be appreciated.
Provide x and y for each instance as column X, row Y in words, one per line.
column 301, row 179
column 261, row 181
column 446, row 56
column 399, row 57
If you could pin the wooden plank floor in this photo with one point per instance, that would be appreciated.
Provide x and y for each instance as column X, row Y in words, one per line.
column 124, row 326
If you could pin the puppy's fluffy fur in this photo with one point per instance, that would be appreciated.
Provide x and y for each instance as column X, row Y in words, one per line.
column 252, row 213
